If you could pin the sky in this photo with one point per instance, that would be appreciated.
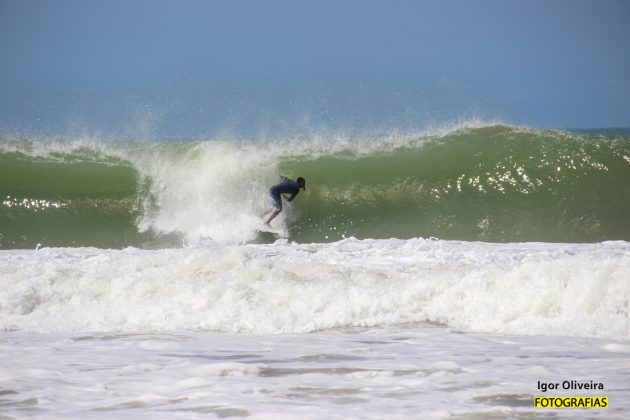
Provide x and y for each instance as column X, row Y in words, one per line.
column 192, row 69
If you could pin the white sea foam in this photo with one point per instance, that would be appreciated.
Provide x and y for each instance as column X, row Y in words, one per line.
column 212, row 191
column 531, row 289
column 393, row 373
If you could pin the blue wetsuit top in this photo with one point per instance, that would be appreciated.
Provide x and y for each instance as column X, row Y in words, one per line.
column 285, row 187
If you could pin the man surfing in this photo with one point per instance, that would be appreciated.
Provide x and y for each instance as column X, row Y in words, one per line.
column 286, row 186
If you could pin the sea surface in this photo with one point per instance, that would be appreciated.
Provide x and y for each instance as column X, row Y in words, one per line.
column 441, row 274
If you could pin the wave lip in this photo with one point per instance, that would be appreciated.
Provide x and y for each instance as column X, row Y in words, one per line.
column 529, row 289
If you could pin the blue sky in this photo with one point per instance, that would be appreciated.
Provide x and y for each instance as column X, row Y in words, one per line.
column 198, row 69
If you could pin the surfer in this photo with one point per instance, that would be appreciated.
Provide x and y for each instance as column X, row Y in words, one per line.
column 286, row 186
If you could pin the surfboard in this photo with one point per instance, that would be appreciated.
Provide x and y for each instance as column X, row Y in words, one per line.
column 270, row 232
column 266, row 230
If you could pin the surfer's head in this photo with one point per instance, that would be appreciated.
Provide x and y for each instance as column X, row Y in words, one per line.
column 301, row 183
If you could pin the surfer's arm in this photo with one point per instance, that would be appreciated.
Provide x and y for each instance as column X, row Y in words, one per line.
column 289, row 199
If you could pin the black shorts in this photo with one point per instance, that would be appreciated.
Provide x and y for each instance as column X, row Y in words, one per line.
column 276, row 199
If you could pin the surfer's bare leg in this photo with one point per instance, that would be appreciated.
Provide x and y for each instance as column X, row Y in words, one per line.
column 276, row 211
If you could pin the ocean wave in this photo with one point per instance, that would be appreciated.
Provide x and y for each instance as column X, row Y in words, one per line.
column 472, row 181
column 530, row 289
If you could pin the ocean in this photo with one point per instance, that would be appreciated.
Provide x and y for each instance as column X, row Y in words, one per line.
column 458, row 272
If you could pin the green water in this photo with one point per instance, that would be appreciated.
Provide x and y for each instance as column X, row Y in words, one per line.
column 498, row 184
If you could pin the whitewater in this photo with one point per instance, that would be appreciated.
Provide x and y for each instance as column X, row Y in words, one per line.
column 435, row 275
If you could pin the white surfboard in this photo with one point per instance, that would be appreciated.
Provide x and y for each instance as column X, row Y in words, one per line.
column 277, row 233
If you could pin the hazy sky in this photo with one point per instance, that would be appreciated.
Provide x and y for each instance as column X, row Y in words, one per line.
column 196, row 69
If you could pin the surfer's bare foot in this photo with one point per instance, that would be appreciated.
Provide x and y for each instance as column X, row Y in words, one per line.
column 267, row 224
